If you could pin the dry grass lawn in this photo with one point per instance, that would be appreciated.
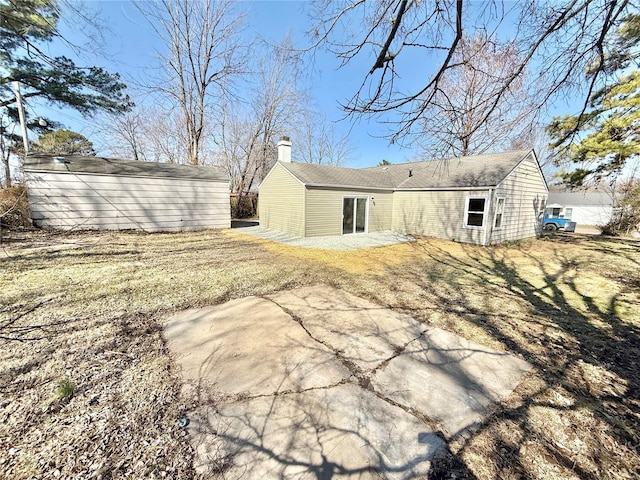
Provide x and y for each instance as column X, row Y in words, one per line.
column 87, row 389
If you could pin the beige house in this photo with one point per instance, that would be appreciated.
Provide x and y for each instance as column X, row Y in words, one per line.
column 76, row 192
column 484, row 199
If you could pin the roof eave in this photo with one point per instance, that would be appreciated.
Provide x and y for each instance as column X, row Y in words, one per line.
column 442, row 189
column 358, row 187
column 129, row 175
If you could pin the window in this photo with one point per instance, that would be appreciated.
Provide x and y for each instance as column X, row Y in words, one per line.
column 568, row 212
column 474, row 216
column 555, row 212
column 497, row 222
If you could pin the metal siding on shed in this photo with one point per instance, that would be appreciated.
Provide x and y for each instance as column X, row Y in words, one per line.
column 593, row 215
column 435, row 214
column 282, row 202
column 323, row 212
column 589, row 208
column 525, row 194
column 72, row 200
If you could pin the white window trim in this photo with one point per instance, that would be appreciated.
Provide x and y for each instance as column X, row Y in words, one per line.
column 466, row 212
column 366, row 213
column 495, row 214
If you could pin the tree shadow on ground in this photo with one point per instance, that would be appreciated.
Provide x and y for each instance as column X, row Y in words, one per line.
column 583, row 350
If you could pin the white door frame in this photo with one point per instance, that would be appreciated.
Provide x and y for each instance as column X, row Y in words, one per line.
column 355, row 210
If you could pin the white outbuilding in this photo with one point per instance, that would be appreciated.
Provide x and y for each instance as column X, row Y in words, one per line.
column 78, row 192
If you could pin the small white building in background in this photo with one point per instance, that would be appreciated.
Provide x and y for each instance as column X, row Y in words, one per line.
column 77, row 192
column 592, row 206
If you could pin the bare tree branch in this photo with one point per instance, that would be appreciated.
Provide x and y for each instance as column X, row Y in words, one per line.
column 557, row 43
column 204, row 55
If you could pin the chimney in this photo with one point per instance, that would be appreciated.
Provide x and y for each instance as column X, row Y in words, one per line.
column 284, row 150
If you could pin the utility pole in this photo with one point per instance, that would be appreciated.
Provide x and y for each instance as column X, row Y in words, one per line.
column 23, row 123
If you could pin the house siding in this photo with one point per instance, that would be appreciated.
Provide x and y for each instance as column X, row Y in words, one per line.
column 589, row 208
column 435, row 214
column 525, row 193
column 593, row 215
column 113, row 202
column 324, row 210
column 282, row 199
column 435, row 207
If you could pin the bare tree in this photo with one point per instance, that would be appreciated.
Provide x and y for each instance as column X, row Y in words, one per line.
column 317, row 141
column 7, row 138
column 557, row 41
column 463, row 117
column 168, row 137
column 127, row 136
column 248, row 133
column 204, row 53
column 152, row 134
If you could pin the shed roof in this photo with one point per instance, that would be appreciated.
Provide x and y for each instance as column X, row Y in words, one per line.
column 473, row 171
column 114, row 166
column 582, row 198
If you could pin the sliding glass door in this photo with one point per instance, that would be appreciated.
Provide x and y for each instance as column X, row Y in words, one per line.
column 354, row 215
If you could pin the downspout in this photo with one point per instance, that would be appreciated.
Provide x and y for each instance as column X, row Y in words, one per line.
column 486, row 224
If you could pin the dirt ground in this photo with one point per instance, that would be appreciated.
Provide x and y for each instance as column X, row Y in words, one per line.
column 88, row 389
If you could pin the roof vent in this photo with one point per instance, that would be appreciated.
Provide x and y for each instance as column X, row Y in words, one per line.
column 410, row 173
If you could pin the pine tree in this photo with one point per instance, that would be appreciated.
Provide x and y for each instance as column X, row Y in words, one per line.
column 24, row 26
column 63, row 142
column 600, row 142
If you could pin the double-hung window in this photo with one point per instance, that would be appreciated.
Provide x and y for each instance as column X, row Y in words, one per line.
column 475, row 212
column 497, row 221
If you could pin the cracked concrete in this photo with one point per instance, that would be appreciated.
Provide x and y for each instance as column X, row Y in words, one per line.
column 318, row 383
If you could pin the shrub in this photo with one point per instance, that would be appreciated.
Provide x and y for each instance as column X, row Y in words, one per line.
column 626, row 217
column 244, row 206
column 14, row 207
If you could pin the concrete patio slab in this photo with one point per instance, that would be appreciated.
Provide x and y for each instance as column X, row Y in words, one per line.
column 334, row 242
column 339, row 432
column 318, row 383
column 362, row 332
column 250, row 347
column 450, row 378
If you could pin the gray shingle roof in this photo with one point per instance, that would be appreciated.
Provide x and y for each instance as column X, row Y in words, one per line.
column 327, row 175
column 113, row 166
column 473, row 171
column 581, row 198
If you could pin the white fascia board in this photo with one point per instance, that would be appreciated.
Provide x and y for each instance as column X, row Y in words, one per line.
column 275, row 165
column 535, row 157
column 283, row 165
column 535, row 160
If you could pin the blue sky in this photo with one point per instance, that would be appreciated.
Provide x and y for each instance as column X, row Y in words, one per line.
column 131, row 48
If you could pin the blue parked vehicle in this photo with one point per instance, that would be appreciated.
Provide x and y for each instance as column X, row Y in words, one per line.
column 556, row 217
